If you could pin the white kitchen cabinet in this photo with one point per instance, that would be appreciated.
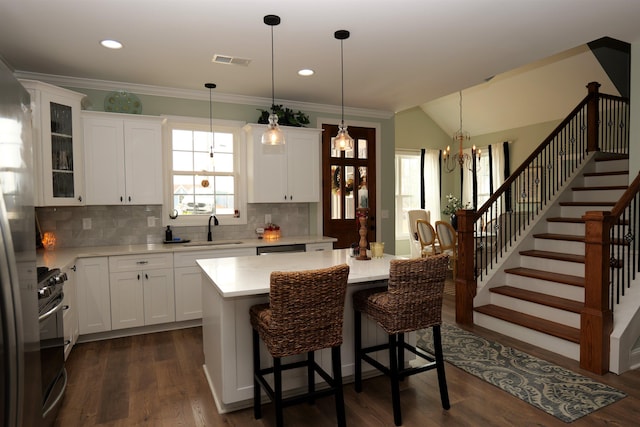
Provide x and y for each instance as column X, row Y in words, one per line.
column 70, row 314
column 288, row 173
column 142, row 290
column 188, row 279
column 57, row 137
column 123, row 158
column 92, row 293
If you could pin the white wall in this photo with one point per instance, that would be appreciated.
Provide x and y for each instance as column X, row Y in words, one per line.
column 634, row 130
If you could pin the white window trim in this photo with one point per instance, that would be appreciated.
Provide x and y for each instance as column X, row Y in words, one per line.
column 407, row 153
column 232, row 126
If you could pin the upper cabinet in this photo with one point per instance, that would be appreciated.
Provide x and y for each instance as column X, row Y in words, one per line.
column 288, row 173
column 123, row 158
column 57, row 137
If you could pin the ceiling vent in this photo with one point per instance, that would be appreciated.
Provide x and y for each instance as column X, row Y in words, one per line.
column 230, row 60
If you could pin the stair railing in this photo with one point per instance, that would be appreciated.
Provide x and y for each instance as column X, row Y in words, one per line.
column 611, row 264
column 486, row 234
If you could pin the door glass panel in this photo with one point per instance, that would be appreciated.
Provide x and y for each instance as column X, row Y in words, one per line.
column 336, row 200
column 362, row 148
column 363, row 192
column 349, row 199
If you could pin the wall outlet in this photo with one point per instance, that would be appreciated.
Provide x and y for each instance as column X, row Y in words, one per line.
column 267, row 218
column 86, row 223
column 151, row 221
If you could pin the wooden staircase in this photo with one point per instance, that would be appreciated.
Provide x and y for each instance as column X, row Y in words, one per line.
column 540, row 296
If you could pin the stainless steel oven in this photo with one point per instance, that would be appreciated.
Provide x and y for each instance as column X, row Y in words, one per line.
column 50, row 315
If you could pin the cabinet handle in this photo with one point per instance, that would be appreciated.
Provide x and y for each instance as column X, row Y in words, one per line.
column 65, row 307
column 138, row 277
column 73, row 268
column 285, row 197
column 79, row 198
column 129, row 198
column 142, row 262
column 146, row 276
column 121, row 199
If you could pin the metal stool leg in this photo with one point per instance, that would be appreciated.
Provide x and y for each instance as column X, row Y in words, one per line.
column 442, row 380
column 257, row 407
column 277, row 390
column 311, row 380
column 395, row 381
column 337, row 378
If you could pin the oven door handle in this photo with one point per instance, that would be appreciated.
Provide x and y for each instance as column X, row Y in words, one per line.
column 51, row 312
column 45, row 411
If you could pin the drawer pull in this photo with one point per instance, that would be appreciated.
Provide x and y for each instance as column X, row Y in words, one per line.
column 142, row 262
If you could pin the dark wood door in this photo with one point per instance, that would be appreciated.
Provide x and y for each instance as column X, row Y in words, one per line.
column 348, row 183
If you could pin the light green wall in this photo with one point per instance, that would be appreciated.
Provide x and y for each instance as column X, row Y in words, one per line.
column 634, row 130
column 162, row 105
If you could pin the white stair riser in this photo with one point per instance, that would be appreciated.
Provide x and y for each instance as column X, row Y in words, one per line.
column 561, row 290
column 591, row 181
column 553, row 344
column 552, row 265
column 565, row 246
column 597, row 195
column 575, row 229
column 612, row 165
column 578, row 211
column 532, row 309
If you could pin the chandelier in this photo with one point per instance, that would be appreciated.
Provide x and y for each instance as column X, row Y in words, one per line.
column 461, row 159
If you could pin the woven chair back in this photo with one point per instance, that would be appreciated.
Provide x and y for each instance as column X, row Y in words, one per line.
column 307, row 308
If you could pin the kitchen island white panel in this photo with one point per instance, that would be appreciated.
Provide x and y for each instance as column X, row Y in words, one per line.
column 230, row 286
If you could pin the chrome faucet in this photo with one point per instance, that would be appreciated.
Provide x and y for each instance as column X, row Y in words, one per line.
column 215, row 222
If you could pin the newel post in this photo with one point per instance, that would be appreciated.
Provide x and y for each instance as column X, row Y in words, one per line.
column 596, row 318
column 465, row 276
column 593, row 117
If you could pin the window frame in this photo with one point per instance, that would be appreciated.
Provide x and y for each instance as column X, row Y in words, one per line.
column 240, row 167
column 400, row 215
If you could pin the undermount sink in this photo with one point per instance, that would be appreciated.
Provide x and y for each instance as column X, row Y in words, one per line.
column 192, row 244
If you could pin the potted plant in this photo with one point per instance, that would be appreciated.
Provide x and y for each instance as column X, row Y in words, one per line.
column 286, row 116
column 453, row 204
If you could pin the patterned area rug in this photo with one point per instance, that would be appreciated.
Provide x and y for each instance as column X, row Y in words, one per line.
column 551, row 388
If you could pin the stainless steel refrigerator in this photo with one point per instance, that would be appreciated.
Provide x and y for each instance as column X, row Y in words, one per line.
column 20, row 382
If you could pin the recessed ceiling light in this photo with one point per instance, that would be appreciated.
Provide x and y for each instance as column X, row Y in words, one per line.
column 305, row 72
column 111, row 44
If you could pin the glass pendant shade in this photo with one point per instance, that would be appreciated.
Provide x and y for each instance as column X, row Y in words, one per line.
column 343, row 140
column 273, row 135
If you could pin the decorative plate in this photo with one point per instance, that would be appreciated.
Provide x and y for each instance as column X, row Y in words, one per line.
column 121, row 101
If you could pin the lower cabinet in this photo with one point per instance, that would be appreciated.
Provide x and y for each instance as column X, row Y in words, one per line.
column 70, row 315
column 142, row 290
column 188, row 279
column 92, row 294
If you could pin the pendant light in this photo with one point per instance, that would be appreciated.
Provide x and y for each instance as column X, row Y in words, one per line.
column 273, row 135
column 210, row 86
column 342, row 141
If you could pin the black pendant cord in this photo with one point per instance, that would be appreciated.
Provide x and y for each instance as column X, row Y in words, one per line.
column 210, row 86
column 342, row 76
column 273, row 81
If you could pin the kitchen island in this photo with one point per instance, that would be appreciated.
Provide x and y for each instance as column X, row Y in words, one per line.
column 232, row 285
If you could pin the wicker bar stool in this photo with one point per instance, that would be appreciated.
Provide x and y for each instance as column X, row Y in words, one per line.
column 305, row 314
column 412, row 301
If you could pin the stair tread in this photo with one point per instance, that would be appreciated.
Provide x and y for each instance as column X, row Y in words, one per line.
column 600, row 188
column 560, row 256
column 549, row 276
column 607, row 157
column 566, row 219
column 587, row 203
column 558, row 236
column 540, row 298
column 590, row 174
column 536, row 323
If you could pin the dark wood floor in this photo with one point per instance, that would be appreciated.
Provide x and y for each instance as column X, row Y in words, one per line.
column 158, row 380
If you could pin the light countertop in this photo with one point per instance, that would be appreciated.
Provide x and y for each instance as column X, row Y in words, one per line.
column 65, row 257
column 242, row 276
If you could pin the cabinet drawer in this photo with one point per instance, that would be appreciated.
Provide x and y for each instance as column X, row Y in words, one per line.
column 313, row 247
column 188, row 259
column 140, row 262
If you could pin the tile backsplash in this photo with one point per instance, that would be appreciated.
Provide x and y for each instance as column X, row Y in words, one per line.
column 127, row 225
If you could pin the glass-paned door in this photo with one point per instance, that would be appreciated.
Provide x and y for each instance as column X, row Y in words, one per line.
column 348, row 185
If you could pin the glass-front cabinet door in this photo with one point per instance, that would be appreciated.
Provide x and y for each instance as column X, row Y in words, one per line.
column 58, row 145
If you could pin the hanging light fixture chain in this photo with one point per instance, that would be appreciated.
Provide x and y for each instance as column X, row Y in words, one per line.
column 273, row 81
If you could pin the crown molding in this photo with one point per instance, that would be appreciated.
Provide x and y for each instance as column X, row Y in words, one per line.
column 200, row 95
